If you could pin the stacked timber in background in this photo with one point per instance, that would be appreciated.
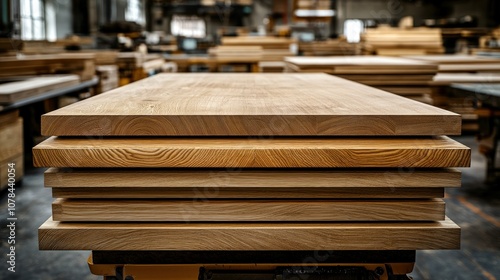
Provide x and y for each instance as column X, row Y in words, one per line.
column 11, row 146
column 273, row 48
column 10, row 47
column 235, row 58
column 461, row 69
column 272, row 66
column 389, row 41
column 21, row 88
column 108, row 78
column 318, row 156
column 400, row 76
column 80, row 64
column 330, row 47
column 135, row 66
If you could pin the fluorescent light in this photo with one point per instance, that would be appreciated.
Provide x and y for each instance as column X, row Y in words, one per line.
column 314, row 13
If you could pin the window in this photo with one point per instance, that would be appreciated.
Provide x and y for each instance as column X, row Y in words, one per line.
column 134, row 11
column 188, row 26
column 32, row 20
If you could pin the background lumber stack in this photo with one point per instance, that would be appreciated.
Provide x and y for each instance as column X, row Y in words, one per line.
column 389, row 41
column 80, row 64
column 11, row 145
column 461, row 69
column 22, row 88
column 273, row 48
column 329, row 47
column 134, row 66
column 406, row 77
column 235, row 153
column 108, row 78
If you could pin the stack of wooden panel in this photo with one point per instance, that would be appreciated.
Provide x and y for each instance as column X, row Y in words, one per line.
column 249, row 162
column 406, row 77
column 134, row 66
column 79, row 64
column 273, row 48
column 108, row 78
column 398, row 42
column 11, row 146
column 461, row 69
column 329, row 47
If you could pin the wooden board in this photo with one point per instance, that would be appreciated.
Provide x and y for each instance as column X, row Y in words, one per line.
column 407, row 90
column 275, row 178
column 81, row 64
column 248, row 192
column 470, row 68
column 11, row 140
column 364, row 65
column 8, row 117
column 381, row 78
column 134, row 210
column 445, row 79
column 15, row 91
column 431, row 152
column 248, row 104
column 455, row 59
column 249, row 236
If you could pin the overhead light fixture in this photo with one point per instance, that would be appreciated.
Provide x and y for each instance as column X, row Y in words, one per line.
column 314, row 13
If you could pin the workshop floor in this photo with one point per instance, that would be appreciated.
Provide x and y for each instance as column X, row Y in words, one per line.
column 475, row 207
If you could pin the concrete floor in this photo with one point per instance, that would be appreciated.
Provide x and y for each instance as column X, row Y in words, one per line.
column 475, row 207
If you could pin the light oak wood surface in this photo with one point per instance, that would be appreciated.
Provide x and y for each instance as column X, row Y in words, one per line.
column 249, row 236
column 248, row 178
column 135, row 210
column 15, row 91
column 203, row 193
column 430, row 152
column 248, row 104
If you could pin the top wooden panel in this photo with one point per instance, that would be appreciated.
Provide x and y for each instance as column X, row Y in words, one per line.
column 248, row 104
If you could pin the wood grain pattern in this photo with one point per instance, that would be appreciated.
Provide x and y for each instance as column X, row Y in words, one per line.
column 276, row 178
column 15, row 91
column 249, row 236
column 248, row 193
column 11, row 140
column 431, row 152
column 248, row 104
column 134, row 210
